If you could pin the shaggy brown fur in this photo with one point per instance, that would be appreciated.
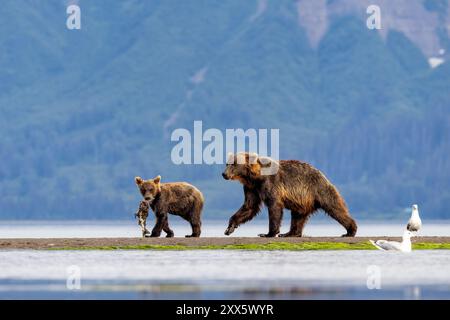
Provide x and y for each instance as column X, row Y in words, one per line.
column 296, row 186
column 178, row 198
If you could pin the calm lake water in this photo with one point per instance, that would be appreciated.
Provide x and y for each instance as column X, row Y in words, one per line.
column 226, row 274
column 211, row 228
column 205, row 274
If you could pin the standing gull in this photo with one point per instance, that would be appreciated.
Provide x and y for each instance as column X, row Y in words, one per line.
column 414, row 223
column 404, row 246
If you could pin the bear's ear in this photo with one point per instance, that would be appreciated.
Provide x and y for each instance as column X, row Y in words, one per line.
column 230, row 158
column 241, row 158
column 253, row 163
column 264, row 161
column 252, row 158
column 268, row 166
column 138, row 180
column 157, row 179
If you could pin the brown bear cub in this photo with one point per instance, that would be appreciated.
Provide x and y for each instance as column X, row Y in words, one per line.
column 178, row 198
column 290, row 184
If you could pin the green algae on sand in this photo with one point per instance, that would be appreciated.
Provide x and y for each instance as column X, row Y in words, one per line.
column 265, row 247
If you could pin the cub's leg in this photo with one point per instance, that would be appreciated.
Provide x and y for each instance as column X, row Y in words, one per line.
column 196, row 229
column 167, row 230
column 161, row 221
column 194, row 219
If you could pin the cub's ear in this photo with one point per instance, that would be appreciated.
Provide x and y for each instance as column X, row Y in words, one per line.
column 138, row 180
column 157, row 179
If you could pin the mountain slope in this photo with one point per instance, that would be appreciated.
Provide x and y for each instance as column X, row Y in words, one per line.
column 85, row 111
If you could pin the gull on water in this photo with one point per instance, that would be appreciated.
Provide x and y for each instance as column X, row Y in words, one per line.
column 404, row 246
column 414, row 223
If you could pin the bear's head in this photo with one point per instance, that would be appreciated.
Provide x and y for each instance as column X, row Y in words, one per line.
column 246, row 167
column 149, row 188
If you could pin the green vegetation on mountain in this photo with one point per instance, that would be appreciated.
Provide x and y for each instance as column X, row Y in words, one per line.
column 83, row 112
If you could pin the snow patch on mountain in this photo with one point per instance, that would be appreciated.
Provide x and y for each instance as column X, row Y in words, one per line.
column 435, row 62
column 409, row 17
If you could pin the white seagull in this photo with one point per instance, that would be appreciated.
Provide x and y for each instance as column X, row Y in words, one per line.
column 404, row 246
column 414, row 223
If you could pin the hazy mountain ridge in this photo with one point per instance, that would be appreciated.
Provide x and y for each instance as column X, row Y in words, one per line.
column 85, row 111
column 419, row 21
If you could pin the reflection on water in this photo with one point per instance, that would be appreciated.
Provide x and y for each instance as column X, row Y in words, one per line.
column 211, row 228
column 225, row 274
column 152, row 292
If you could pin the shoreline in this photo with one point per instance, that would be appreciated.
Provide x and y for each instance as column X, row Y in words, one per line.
column 213, row 243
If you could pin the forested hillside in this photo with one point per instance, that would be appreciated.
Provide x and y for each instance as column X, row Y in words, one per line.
column 84, row 111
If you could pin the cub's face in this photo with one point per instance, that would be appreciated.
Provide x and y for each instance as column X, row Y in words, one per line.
column 149, row 188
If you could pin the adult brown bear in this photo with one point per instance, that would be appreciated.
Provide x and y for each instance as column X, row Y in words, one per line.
column 289, row 184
